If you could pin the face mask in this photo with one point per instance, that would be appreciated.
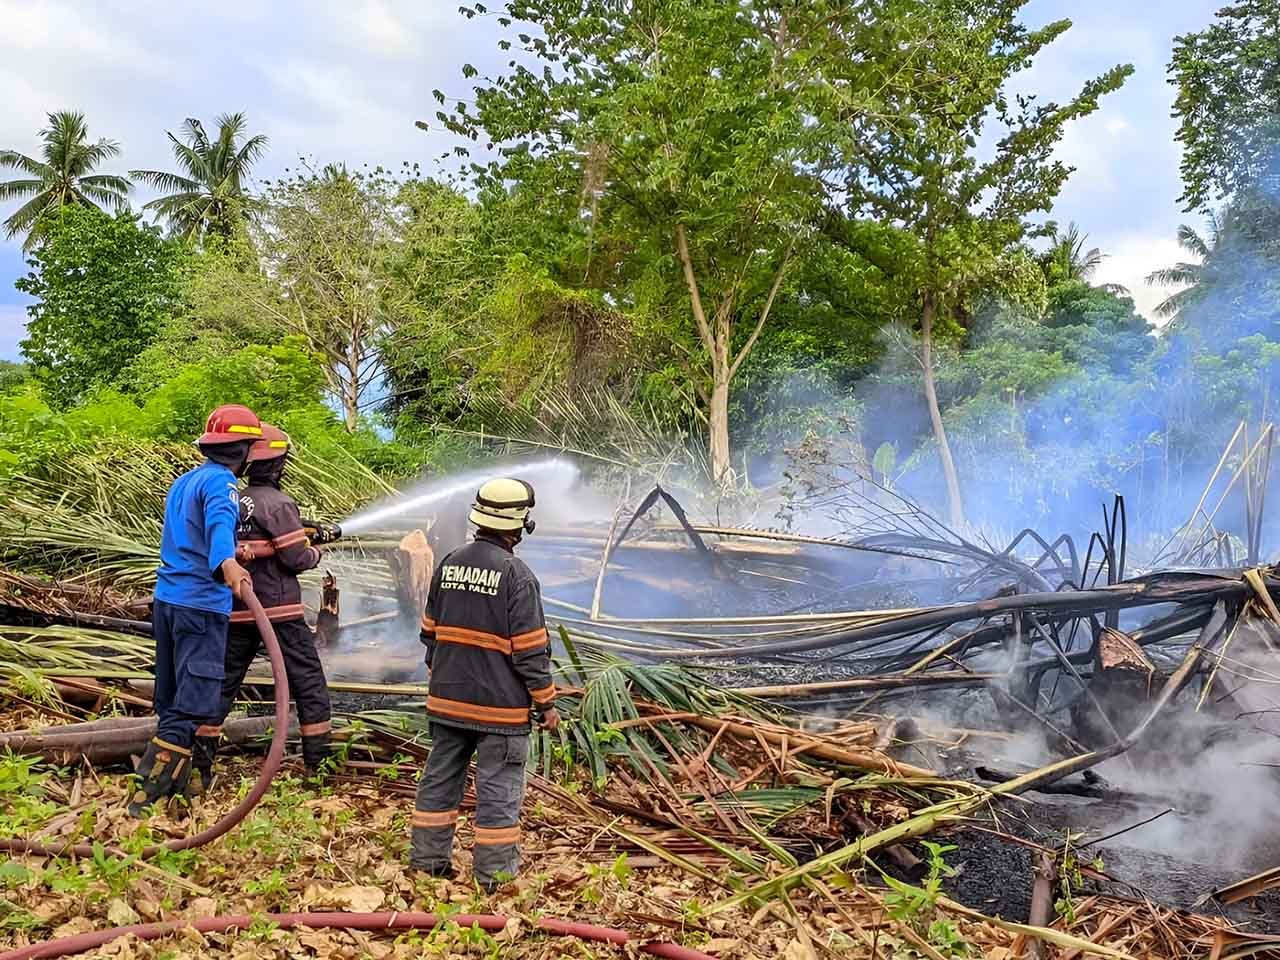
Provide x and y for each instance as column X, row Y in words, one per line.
column 233, row 456
column 267, row 472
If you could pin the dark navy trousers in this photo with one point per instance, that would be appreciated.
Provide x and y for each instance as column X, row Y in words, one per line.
column 191, row 646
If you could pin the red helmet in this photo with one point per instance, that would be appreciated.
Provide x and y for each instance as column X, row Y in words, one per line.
column 231, row 423
column 274, row 443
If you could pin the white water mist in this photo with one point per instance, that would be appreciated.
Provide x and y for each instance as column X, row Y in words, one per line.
column 556, row 474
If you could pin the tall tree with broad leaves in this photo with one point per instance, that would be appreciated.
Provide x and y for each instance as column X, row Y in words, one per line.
column 943, row 68
column 62, row 177
column 1228, row 81
column 208, row 197
column 330, row 239
column 103, row 287
column 692, row 134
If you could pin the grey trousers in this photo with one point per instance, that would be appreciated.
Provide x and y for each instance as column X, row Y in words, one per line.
column 500, row 760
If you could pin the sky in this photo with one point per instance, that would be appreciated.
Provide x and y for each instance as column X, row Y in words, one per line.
column 346, row 79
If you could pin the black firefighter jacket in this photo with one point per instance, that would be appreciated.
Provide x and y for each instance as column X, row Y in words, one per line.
column 488, row 652
column 269, row 518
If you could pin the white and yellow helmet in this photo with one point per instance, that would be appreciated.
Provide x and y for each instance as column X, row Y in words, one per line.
column 503, row 504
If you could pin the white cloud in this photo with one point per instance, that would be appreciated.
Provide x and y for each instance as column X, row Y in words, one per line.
column 1094, row 146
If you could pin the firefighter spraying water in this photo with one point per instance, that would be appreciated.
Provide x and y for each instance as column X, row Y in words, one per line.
column 276, row 545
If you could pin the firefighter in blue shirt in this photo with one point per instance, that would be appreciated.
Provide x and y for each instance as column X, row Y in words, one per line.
column 194, row 585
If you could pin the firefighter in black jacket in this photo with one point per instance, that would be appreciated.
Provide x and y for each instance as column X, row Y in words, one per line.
column 275, row 548
column 489, row 665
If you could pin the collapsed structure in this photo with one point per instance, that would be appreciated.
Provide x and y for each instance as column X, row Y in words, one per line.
column 797, row 706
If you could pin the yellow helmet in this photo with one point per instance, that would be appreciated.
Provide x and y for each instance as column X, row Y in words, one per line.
column 503, row 504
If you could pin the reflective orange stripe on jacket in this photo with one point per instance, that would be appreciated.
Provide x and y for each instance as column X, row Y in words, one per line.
column 478, row 713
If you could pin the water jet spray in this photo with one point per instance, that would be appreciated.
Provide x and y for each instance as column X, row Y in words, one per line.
column 555, row 469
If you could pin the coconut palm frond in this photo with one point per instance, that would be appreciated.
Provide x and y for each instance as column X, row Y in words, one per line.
column 65, row 651
column 27, row 219
column 1173, row 305
column 28, row 165
column 14, row 189
column 104, row 507
column 163, row 180
column 1191, row 241
column 1178, row 274
column 93, row 154
column 249, row 153
column 107, row 197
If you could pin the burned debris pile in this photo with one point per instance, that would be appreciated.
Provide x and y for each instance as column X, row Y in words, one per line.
column 836, row 737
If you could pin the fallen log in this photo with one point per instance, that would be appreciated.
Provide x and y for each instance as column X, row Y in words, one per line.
column 114, row 740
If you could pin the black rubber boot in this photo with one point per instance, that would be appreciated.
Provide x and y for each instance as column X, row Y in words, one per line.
column 203, row 751
column 163, row 771
column 315, row 751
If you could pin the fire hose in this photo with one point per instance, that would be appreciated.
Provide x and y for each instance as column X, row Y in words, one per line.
column 349, row 921
column 270, row 767
column 78, row 943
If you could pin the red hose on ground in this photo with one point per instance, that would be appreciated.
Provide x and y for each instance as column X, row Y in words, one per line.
column 81, row 942
column 269, row 768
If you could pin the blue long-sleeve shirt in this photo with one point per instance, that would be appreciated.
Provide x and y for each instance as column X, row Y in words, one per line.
column 200, row 517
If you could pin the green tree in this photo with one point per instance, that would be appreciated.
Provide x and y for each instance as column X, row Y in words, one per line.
column 64, row 177
column 1229, row 103
column 328, row 240
column 207, row 197
column 686, row 131
column 275, row 380
column 1076, row 302
column 942, row 67
column 104, row 286
column 1066, row 259
column 454, row 253
column 228, row 303
column 12, row 376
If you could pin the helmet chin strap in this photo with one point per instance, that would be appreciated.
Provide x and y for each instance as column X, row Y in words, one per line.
column 529, row 525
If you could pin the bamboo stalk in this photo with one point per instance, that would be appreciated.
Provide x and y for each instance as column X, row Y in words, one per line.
column 813, row 747
column 940, row 678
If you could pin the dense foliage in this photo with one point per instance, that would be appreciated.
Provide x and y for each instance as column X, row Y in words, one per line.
column 104, row 287
column 691, row 226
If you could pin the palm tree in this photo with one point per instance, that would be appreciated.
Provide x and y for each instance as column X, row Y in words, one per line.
column 63, row 177
column 208, row 196
column 1066, row 259
column 1190, row 277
